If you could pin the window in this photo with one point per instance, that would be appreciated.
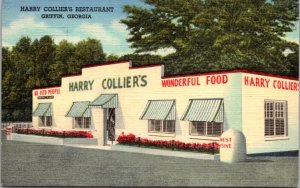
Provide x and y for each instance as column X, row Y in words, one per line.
column 163, row 126
column 82, row 122
column 275, row 118
column 205, row 128
column 45, row 121
column 197, row 128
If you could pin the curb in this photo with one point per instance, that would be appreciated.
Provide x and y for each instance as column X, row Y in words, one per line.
column 168, row 153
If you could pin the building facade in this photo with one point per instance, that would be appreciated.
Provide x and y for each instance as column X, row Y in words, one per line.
column 111, row 98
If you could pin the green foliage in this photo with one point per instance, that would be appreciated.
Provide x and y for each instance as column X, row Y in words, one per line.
column 143, row 59
column 63, row 54
column 86, row 52
column 216, row 34
column 15, row 92
column 112, row 57
column 40, row 63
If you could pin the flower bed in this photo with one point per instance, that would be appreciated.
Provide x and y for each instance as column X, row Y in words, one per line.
column 131, row 139
column 62, row 134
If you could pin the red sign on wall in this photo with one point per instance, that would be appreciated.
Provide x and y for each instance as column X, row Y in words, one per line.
column 195, row 81
column 255, row 81
column 44, row 92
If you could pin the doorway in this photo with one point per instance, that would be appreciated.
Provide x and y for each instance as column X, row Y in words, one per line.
column 110, row 125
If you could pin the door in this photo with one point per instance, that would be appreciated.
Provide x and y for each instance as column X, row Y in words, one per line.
column 110, row 122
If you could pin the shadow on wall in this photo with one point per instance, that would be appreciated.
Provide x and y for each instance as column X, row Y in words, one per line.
column 178, row 129
column 119, row 116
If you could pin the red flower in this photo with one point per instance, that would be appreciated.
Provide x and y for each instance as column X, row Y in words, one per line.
column 76, row 134
column 131, row 139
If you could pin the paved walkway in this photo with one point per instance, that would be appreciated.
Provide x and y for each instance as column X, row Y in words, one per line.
column 89, row 146
column 34, row 164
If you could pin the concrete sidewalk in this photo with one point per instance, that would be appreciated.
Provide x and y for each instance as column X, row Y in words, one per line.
column 151, row 151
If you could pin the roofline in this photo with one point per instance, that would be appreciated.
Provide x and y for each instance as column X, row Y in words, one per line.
column 70, row 75
column 105, row 63
column 231, row 71
column 269, row 74
column 45, row 87
column 145, row 66
column 168, row 76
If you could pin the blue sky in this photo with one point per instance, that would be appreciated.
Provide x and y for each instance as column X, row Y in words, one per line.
column 104, row 26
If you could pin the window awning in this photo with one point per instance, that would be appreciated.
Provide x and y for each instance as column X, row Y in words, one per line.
column 105, row 101
column 204, row 110
column 43, row 109
column 160, row 110
column 79, row 109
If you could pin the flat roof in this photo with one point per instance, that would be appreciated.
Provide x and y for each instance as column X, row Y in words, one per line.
column 169, row 76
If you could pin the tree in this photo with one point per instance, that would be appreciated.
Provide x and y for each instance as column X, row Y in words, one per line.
column 143, row 59
column 5, row 60
column 7, row 74
column 40, row 63
column 247, row 29
column 112, row 57
column 63, row 54
column 16, row 93
column 44, row 59
column 292, row 61
column 86, row 52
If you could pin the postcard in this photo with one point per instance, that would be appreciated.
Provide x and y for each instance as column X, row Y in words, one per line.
column 150, row 93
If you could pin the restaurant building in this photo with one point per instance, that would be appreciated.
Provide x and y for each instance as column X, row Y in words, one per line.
column 110, row 98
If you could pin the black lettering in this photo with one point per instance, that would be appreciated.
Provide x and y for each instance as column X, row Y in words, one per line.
column 114, row 84
column 119, row 83
column 33, row 9
column 103, row 81
column 135, row 81
column 109, row 83
column 75, row 86
column 128, row 81
column 144, row 80
column 85, row 86
column 52, row 16
column 71, row 86
column 91, row 84
column 80, row 86
column 79, row 16
column 124, row 82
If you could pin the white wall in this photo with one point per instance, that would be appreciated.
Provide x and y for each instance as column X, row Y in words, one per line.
column 253, row 116
column 132, row 101
column 243, row 106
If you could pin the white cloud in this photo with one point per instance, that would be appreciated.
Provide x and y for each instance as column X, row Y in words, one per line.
column 70, row 38
column 20, row 25
column 112, row 36
column 96, row 30
column 296, row 40
column 117, row 26
column 28, row 26
column 5, row 44
column 163, row 51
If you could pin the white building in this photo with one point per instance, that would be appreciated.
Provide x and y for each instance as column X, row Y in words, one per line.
column 112, row 98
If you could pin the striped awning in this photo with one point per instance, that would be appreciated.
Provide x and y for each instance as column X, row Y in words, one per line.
column 105, row 101
column 204, row 110
column 79, row 109
column 160, row 110
column 43, row 109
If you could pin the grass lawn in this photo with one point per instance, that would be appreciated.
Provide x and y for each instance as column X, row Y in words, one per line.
column 30, row 164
